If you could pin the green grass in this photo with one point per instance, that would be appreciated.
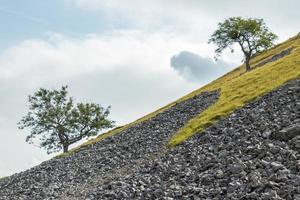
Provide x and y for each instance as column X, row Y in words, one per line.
column 236, row 89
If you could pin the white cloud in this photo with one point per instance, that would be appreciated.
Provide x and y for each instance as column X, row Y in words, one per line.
column 186, row 17
column 60, row 57
column 197, row 18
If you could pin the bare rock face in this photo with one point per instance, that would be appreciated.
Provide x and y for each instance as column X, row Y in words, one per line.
column 254, row 153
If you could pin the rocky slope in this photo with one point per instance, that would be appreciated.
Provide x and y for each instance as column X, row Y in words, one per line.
column 120, row 155
column 252, row 154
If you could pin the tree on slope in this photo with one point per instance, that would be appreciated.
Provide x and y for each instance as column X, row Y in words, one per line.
column 57, row 123
column 251, row 34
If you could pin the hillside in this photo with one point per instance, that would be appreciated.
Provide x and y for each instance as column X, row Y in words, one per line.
column 239, row 139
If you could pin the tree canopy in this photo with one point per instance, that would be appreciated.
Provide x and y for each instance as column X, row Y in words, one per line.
column 251, row 34
column 56, row 122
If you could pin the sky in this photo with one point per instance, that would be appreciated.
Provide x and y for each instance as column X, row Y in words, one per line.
column 134, row 55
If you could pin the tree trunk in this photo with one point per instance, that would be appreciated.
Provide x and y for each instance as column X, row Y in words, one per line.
column 247, row 62
column 66, row 148
column 64, row 140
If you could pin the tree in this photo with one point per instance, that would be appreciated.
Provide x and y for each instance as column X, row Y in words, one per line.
column 57, row 123
column 252, row 35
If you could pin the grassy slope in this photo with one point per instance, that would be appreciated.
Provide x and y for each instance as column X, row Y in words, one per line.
column 237, row 88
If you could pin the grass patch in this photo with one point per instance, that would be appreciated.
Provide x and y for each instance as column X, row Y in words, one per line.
column 238, row 88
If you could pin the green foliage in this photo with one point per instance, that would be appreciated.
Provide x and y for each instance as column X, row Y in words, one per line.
column 252, row 35
column 57, row 123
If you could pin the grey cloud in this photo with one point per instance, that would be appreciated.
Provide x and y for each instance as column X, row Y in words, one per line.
column 196, row 68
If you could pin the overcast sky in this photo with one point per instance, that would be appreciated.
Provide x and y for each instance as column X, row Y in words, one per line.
column 133, row 55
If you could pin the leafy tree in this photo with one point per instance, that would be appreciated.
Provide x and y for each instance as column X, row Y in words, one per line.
column 57, row 123
column 252, row 35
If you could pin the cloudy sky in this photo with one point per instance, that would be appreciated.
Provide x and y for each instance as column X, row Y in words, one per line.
column 133, row 55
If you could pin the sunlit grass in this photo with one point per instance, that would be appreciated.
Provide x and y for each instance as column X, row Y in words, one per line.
column 237, row 89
